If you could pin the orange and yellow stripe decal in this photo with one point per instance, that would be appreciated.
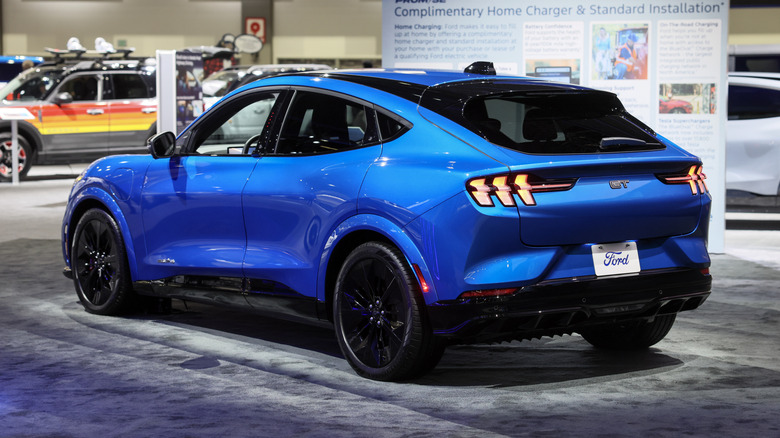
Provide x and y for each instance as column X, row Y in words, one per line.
column 74, row 118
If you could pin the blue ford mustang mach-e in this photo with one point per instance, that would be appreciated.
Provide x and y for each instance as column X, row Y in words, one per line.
column 411, row 209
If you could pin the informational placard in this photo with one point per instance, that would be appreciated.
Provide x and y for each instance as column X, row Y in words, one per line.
column 189, row 94
column 665, row 60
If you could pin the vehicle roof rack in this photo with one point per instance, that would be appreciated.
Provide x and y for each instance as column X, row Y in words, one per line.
column 61, row 55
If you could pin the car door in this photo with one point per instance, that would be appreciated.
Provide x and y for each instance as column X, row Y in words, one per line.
column 133, row 110
column 299, row 193
column 76, row 129
column 192, row 202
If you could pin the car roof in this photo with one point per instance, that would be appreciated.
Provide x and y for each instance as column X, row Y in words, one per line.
column 758, row 79
column 410, row 84
column 426, row 78
column 755, row 74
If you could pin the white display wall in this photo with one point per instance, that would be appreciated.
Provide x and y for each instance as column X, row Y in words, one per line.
column 680, row 48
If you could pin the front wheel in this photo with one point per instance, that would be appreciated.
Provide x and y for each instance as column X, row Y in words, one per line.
column 99, row 264
column 379, row 317
column 6, row 157
column 630, row 336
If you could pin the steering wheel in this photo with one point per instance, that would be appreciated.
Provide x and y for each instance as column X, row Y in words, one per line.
column 249, row 142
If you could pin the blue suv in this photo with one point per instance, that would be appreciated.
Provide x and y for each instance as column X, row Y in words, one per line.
column 411, row 210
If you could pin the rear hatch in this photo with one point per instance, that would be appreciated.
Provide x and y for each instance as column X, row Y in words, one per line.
column 581, row 169
column 613, row 200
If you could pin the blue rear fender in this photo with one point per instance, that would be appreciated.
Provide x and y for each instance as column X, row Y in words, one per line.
column 377, row 225
column 469, row 248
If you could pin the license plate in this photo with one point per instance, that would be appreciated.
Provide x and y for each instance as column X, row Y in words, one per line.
column 615, row 258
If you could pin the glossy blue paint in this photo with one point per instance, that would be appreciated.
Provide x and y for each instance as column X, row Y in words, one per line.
column 193, row 216
column 94, row 190
column 290, row 214
column 400, row 237
column 279, row 218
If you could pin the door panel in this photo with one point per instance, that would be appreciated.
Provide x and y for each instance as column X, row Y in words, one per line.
column 80, row 128
column 193, row 218
column 130, row 124
column 192, row 204
column 291, row 205
column 133, row 111
column 295, row 199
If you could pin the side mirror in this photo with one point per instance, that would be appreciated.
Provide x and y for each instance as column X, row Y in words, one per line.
column 63, row 97
column 161, row 145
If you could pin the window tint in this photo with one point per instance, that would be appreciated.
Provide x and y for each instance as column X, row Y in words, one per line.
column 237, row 122
column 389, row 127
column 129, row 86
column 557, row 123
column 81, row 87
column 753, row 102
column 320, row 123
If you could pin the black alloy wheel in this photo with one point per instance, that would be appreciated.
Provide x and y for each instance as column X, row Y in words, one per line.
column 379, row 316
column 99, row 264
column 6, row 157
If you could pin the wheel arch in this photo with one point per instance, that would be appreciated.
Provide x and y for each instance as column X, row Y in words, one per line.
column 28, row 131
column 90, row 198
column 354, row 232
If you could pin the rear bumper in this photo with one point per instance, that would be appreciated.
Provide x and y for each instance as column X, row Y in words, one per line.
column 566, row 306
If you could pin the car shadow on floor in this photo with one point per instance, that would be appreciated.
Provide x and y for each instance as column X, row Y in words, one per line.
column 530, row 363
column 563, row 361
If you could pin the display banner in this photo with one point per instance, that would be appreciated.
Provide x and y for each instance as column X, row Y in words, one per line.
column 189, row 94
column 666, row 60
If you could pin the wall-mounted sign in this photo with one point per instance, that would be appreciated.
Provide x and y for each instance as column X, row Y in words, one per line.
column 666, row 62
column 255, row 26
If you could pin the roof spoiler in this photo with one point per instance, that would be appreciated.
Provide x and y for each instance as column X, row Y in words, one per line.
column 481, row 68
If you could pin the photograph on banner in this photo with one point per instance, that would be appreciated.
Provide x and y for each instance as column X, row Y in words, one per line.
column 559, row 70
column 551, row 48
column 687, row 99
column 189, row 93
column 619, row 51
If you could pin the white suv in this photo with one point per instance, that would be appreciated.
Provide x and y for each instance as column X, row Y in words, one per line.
column 753, row 133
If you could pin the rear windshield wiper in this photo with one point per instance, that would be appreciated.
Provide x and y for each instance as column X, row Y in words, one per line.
column 608, row 143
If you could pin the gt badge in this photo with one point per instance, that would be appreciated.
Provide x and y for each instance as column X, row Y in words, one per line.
column 619, row 183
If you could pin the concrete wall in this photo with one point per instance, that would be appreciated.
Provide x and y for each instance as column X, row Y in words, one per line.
column 147, row 25
column 332, row 29
column 302, row 29
column 335, row 29
column 754, row 26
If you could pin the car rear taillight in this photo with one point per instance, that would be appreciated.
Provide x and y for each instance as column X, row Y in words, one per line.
column 694, row 176
column 506, row 187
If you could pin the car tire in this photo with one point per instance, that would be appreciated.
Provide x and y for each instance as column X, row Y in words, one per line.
column 630, row 336
column 99, row 264
column 379, row 316
column 6, row 159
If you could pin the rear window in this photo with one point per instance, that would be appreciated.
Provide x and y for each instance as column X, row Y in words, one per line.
column 543, row 119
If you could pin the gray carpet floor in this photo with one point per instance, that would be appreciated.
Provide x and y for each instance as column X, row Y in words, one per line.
column 205, row 372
